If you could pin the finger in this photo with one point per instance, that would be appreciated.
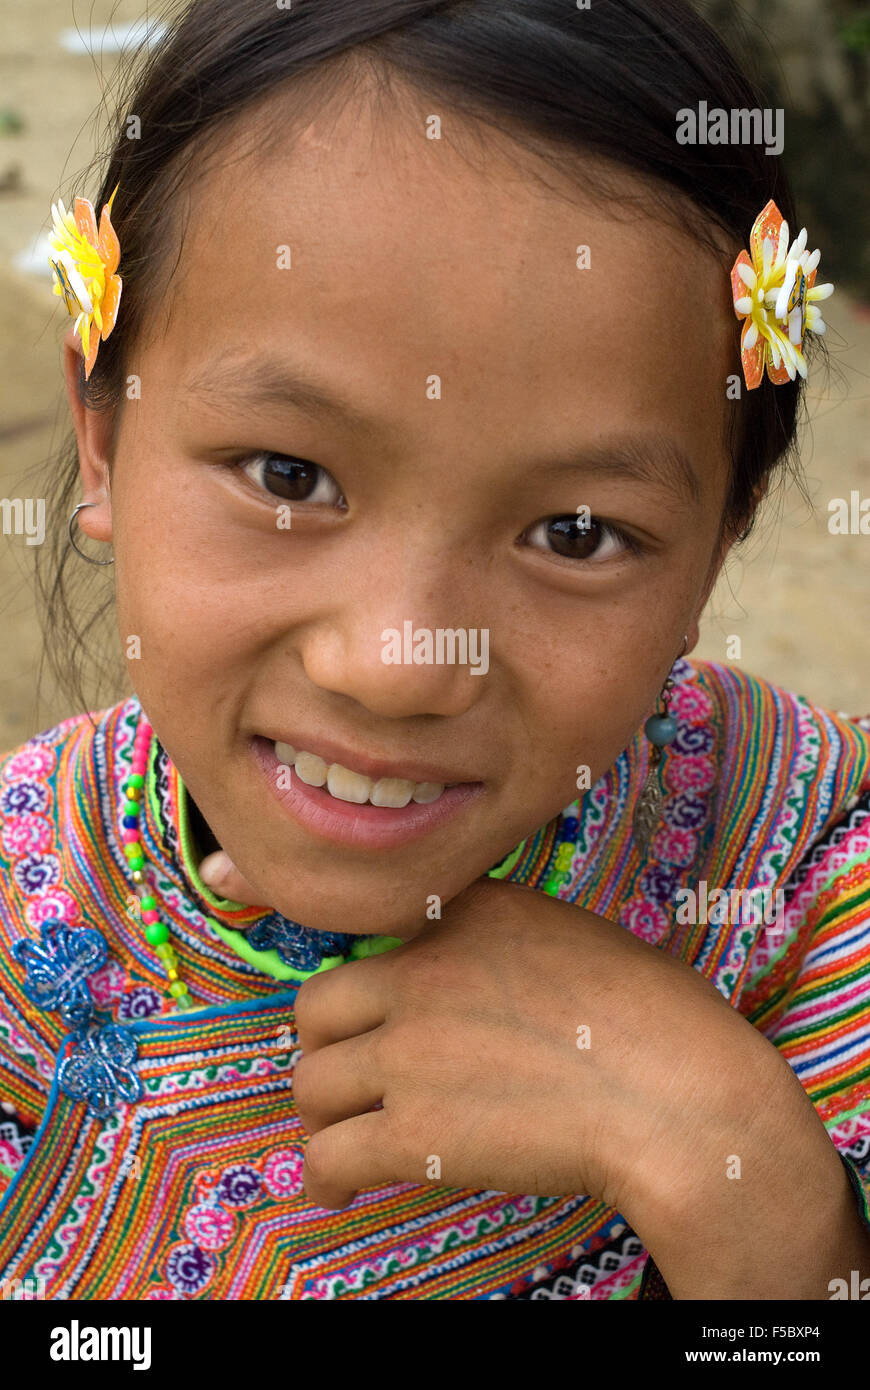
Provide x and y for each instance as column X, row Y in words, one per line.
column 334, row 1005
column 336, row 1083
column 344, row 1158
column 219, row 873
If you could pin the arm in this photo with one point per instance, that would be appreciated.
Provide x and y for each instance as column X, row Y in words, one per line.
column 767, row 1211
column 809, row 996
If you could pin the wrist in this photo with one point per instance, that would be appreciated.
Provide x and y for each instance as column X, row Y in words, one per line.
column 762, row 1208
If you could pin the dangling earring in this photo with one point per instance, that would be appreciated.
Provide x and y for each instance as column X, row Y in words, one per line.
column 660, row 729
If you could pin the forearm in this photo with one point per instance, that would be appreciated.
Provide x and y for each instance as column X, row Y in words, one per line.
column 795, row 1250
column 784, row 1228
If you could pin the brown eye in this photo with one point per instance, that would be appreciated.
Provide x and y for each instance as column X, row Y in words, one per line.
column 579, row 539
column 567, row 537
column 292, row 479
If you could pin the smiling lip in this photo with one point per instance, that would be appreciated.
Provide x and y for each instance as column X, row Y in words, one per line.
column 363, row 826
column 375, row 768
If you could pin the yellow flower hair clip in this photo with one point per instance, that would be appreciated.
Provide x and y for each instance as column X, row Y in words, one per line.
column 776, row 292
column 84, row 270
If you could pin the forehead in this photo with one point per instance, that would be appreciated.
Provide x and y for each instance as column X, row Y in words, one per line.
column 368, row 247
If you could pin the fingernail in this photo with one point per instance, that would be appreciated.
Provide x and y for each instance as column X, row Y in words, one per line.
column 214, row 868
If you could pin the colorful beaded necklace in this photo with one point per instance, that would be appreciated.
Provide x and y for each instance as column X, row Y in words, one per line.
column 156, row 932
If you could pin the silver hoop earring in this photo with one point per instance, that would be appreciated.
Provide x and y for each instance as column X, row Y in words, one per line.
column 72, row 539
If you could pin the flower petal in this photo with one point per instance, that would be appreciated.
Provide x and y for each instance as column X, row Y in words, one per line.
column 86, row 220
column 781, row 348
column 778, row 375
column 108, row 246
column 766, row 258
column 111, row 300
column 791, row 270
column 798, row 246
column 76, row 282
column 795, row 327
column 752, row 356
column 766, row 224
column 91, row 356
column 743, row 277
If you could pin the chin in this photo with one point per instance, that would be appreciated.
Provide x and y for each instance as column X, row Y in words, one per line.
column 335, row 914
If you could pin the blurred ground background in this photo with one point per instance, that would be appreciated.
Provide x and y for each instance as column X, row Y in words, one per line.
column 796, row 595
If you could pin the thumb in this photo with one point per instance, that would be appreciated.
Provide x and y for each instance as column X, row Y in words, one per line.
column 219, row 873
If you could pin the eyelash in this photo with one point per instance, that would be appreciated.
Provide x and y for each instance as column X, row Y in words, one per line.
column 629, row 543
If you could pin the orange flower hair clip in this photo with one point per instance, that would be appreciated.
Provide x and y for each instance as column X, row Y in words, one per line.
column 84, row 270
column 776, row 293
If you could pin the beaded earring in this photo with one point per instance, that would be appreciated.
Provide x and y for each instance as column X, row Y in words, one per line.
column 660, row 729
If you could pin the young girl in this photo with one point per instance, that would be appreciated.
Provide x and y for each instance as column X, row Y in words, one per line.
column 427, row 925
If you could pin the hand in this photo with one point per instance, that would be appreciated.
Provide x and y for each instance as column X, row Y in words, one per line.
column 471, row 1036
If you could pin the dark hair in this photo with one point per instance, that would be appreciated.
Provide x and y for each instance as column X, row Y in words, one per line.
column 605, row 82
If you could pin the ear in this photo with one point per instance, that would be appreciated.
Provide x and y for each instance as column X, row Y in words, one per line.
column 93, row 432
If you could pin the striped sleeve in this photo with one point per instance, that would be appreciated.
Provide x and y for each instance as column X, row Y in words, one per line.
column 809, row 992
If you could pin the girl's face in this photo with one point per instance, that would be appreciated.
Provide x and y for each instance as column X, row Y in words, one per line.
column 382, row 375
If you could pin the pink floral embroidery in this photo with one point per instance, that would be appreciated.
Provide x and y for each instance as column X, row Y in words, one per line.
column 27, row 834
column 209, row 1227
column 646, row 920
column 674, row 846
column 56, row 903
column 689, row 704
column 283, row 1172
column 107, row 984
column 694, row 772
column 36, row 760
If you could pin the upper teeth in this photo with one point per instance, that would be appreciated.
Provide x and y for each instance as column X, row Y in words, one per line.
column 346, row 785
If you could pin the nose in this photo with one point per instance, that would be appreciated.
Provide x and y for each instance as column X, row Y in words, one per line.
column 398, row 640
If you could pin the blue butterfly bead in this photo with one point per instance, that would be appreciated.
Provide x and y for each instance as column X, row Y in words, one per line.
column 302, row 948
column 99, row 1069
column 57, row 970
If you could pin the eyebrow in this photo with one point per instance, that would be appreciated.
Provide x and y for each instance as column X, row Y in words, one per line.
column 652, row 459
column 265, row 383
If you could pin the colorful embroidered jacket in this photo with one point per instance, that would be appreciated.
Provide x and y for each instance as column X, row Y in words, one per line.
column 187, row 1185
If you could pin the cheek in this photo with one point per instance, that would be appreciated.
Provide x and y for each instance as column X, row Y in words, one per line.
column 168, row 573
column 589, row 698
column 179, row 635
